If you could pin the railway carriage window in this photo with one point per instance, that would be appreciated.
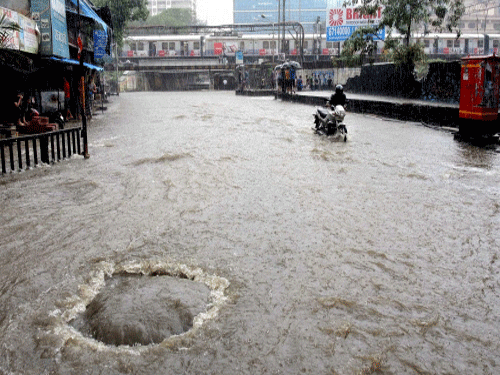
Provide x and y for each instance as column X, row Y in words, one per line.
column 242, row 46
column 426, row 44
column 495, row 43
column 480, row 43
column 472, row 25
column 171, row 46
column 140, row 46
column 196, row 45
column 133, row 47
column 164, row 46
column 449, row 43
column 273, row 44
column 329, row 44
column 456, row 43
column 265, row 44
column 306, row 44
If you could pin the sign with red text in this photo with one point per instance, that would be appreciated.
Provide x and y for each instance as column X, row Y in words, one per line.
column 342, row 21
column 218, row 48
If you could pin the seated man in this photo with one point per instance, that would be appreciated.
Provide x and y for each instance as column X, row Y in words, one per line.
column 338, row 98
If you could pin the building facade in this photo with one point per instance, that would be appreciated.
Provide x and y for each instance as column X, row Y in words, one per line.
column 310, row 13
column 481, row 16
column 157, row 6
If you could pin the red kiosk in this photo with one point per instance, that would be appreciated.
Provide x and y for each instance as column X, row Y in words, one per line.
column 479, row 95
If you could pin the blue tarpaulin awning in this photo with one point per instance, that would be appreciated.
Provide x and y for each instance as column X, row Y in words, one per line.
column 75, row 62
column 87, row 11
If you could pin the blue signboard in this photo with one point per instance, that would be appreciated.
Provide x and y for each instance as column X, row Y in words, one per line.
column 239, row 57
column 341, row 33
column 50, row 16
column 100, row 42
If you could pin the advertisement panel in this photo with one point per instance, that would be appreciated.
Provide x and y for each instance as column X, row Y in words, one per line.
column 342, row 21
column 50, row 16
column 239, row 57
column 100, row 42
column 12, row 37
column 218, row 48
column 27, row 36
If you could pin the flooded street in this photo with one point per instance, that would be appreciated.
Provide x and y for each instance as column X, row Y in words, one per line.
column 378, row 255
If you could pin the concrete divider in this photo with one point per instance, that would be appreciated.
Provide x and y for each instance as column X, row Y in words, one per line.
column 439, row 114
column 429, row 113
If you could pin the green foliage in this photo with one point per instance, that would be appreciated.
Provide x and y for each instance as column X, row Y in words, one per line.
column 6, row 28
column 403, row 16
column 349, row 61
column 408, row 55
column 122, row 12
column 169, row 17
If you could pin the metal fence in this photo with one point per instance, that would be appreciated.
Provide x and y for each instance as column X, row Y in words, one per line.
column 20, row 153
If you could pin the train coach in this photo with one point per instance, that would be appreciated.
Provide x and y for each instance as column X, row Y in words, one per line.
column 268, row 44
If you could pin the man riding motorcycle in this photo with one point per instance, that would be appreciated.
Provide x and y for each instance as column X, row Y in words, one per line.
column 338, row 98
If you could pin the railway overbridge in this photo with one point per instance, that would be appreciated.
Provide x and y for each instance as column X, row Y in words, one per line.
column 184, row 73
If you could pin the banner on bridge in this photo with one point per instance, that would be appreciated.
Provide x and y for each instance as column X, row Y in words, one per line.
column 342, row 21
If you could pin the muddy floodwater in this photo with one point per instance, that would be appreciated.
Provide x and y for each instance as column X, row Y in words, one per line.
column 230, row 239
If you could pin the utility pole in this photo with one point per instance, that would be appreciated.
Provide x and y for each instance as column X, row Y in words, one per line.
column 82, row 85
column 279, row 17
column 283, row 45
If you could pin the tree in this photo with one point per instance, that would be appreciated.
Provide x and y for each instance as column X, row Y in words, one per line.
column 122, row 12
column 403, row 16
column 169, row 17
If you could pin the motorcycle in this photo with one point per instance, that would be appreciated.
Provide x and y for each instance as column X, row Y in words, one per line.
column 329, row 121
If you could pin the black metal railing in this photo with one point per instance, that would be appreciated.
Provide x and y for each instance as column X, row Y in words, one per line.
column 18, row 153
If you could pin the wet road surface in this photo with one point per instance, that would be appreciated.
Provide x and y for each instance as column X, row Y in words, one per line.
column 378, row 255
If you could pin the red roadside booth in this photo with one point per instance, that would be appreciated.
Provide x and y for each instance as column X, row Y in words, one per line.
column 479, row 94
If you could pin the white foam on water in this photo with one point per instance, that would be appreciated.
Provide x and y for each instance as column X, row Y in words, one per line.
column 76, row 304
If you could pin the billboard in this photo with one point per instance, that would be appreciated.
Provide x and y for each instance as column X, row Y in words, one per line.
column 50, row 16
column 12, row 37
column 28, row 41
column 25, row 39
column 342, row 21
column 100, row 42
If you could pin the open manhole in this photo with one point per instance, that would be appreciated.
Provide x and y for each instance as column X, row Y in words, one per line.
column 136, row 309
column 140, row 304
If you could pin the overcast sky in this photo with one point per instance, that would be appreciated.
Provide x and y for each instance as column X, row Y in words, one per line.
column 215, row 12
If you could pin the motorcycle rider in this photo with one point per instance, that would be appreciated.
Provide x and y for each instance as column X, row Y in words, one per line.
column 338, row 98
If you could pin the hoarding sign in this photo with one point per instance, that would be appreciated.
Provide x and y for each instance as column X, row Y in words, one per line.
column 12, row 37
column 239, row 57
column 51, row 18
column 100, row 42
column 342, row 21
column 218, row 48
column 27, row 36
